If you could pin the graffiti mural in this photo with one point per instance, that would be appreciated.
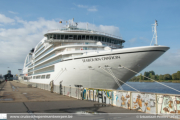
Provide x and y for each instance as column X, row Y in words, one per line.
column 84, row 94
column 107, row 97
column 144, row 102
column 100, row 95
column 168, row 104
column 121, row 99
column 178, row 104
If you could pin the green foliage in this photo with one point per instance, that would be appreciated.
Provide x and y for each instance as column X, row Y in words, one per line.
column 167, row 77
column 146, row 74
column 157, row 77
column 174, row 76
column 140, row 77
column 178, row 75
column 151, row 74
column 161, row 77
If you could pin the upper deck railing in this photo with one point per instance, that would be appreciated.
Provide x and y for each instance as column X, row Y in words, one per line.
column 84, row 31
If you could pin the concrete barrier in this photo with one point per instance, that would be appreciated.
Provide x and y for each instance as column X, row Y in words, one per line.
column 145, row 102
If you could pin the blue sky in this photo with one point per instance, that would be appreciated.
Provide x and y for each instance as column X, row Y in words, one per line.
column 23, row 23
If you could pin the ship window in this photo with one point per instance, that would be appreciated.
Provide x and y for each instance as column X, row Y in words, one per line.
column 108, row 40
column 70, row 37
column 54, row 36
column 50, row 36
column 66, row 37
column 112, row 41
column 37, row 77
column 34, row 77
column 99, row 38
column 83, row 37
column 103, row 39
column 84, row 48
column 91, row 37
column 79, row 37
column 62, row 37
column 58, row 36
column 87, row 37
column 75, row 37
column 43, row 77
column 95, row 37
column 47, row 76
column 120, row 43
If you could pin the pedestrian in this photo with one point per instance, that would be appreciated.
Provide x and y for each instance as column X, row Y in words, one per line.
column 6, row 80
column 52, row 85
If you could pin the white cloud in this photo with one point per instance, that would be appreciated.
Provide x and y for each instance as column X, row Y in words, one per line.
column 102, row 28
column 4, row 19
column 12, row 12
column 92, row 9
column 15, row 43
column 82, row 6
column 89, row 8
column 144, row 39
column 168, row 59
column 132, row 40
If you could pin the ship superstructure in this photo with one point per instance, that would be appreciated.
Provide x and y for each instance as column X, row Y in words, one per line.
column 77, row 56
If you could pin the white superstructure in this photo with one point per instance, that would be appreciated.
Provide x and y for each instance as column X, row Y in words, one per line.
column 83, row 57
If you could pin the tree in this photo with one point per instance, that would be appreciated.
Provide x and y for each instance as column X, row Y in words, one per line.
column 174, row 76
column 178, row 75
column 153, row 73
column 153, row 77
column 146, row 74
column 140, row 77
column 160, row 77
column 167, row 77
column 157, row 77
column 150, row 75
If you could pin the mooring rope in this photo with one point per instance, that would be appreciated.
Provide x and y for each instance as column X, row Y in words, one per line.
column 120, row 80
column 113, row 77
column 125, row 83
column 150, row 79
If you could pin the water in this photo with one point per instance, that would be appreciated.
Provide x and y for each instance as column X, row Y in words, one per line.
column 152, row 87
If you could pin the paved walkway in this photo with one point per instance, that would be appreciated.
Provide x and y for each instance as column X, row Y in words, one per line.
column 18, row 98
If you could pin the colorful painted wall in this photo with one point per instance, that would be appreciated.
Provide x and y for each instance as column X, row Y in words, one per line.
column 144, row 102
column 168, row 104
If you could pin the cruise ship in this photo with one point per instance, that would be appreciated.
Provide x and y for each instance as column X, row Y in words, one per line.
column 81, row 57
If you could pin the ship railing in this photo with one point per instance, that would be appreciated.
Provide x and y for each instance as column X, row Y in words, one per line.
column 39, row 49
column 86, row 31
column 46, row 65
column 44, row 52
column 44, row 59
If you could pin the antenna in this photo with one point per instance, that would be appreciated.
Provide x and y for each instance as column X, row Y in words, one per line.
column 154, row 29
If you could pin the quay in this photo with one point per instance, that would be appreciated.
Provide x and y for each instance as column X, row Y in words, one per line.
column 20, row 97
column 17, row 95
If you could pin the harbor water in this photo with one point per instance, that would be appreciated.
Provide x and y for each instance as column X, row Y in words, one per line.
column 152, row 87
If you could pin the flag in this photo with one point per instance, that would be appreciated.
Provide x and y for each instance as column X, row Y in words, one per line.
column 60, row 21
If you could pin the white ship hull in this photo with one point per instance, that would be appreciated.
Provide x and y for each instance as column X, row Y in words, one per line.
column 84, row 71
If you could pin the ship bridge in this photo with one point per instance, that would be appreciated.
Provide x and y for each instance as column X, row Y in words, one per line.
column 74, row 34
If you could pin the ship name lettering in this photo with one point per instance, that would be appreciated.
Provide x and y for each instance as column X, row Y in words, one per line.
column 101, row 58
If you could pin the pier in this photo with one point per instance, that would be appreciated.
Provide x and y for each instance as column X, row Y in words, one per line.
column 23, row 97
